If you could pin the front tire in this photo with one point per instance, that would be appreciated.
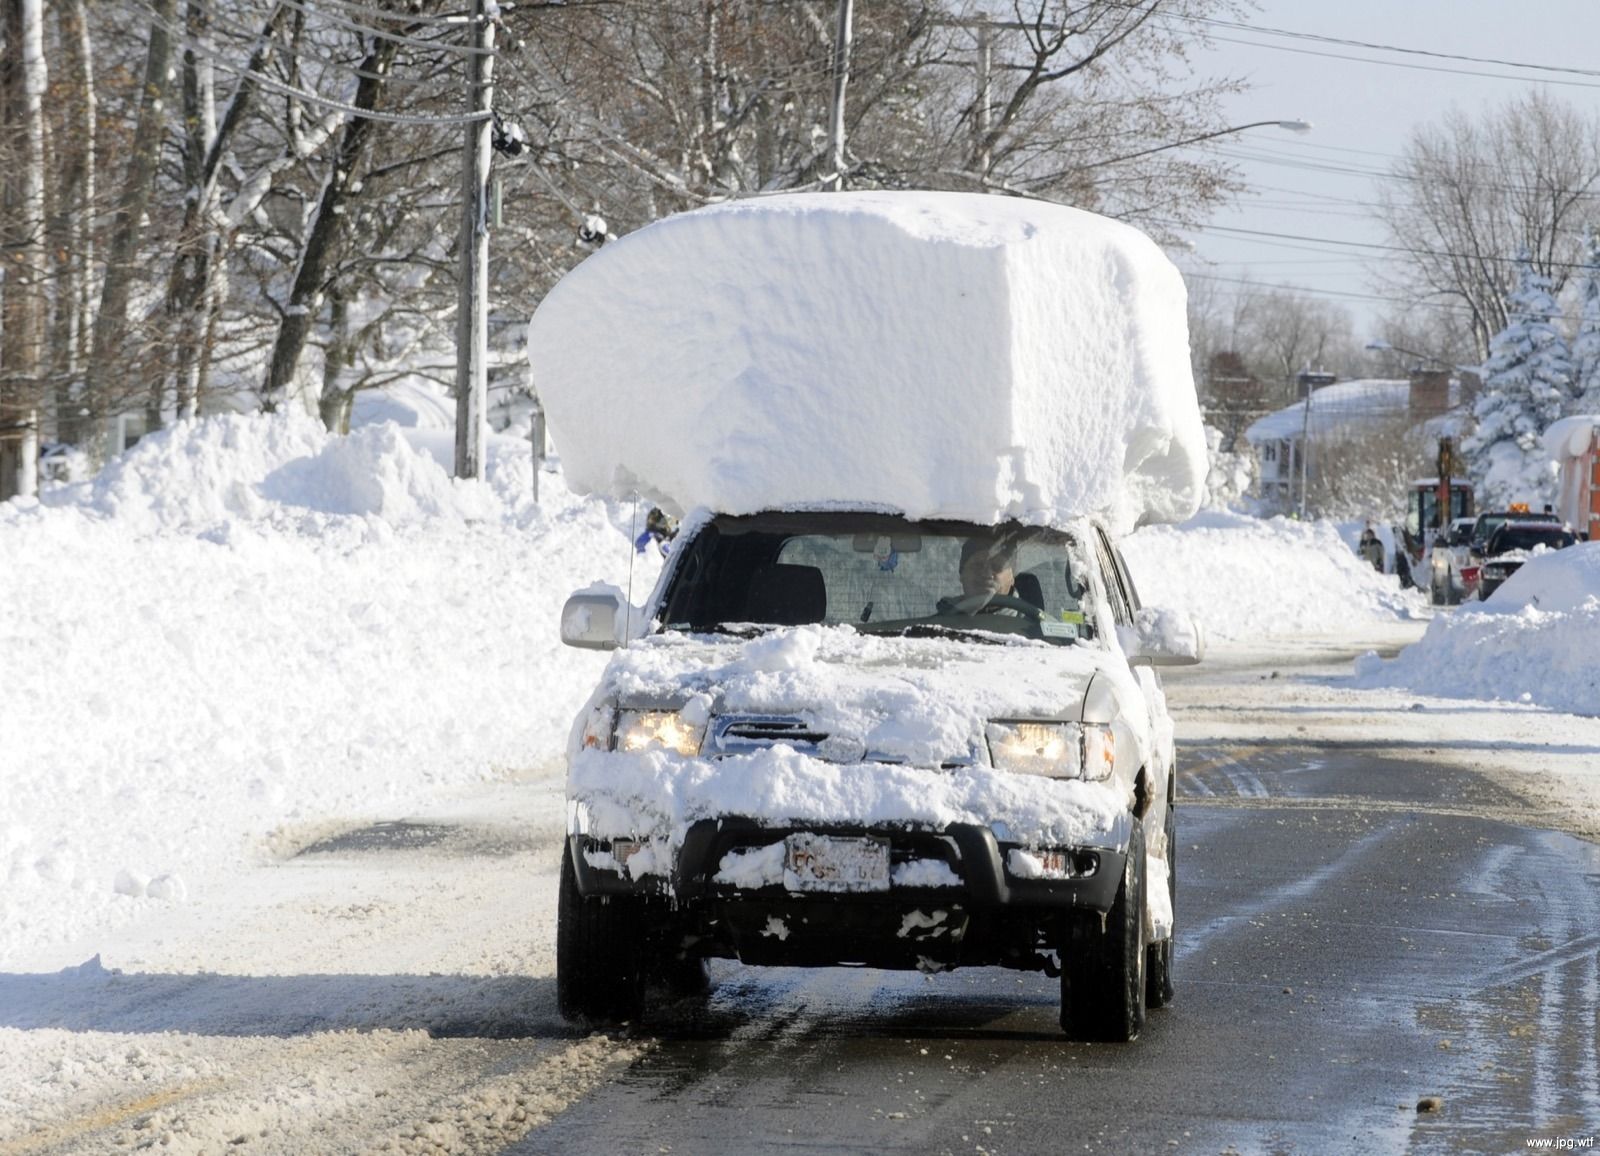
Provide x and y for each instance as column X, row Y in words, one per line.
column 1158, row 988
column 599, row 954
column 1103, row 980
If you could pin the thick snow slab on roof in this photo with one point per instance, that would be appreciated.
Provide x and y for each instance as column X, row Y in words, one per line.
column 1571, row 436
column 949, row 355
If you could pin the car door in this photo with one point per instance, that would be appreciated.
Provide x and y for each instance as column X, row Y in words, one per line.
column 1124, row 605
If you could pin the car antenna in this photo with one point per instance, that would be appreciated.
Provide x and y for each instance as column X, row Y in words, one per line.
column 633, row 528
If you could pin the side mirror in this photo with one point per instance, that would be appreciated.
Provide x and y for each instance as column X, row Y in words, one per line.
column 1164, row 638
column 590, row 620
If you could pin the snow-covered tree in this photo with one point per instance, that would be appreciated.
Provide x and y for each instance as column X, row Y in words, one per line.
column 1586, row 345
column 1526, row 381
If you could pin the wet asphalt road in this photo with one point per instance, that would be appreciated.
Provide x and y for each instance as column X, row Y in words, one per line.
column 1353, row 940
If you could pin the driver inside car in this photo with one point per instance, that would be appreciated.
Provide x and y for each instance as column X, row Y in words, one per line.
column 987, row 573
column 986, row 568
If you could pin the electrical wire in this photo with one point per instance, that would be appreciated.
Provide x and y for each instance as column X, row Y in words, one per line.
column 343, row 106
column 208, row 53
column 1257, row 29
column 1407, row 249
column 1337, row 293
column 392, row 17
column 394, row 37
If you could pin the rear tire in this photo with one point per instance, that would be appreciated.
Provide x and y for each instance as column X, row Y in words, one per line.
column 1103, row 980
column 1158, row 989
column 599, row 954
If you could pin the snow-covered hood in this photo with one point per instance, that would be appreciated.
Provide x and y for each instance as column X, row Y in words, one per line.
column 923, row 701
column 902, row 726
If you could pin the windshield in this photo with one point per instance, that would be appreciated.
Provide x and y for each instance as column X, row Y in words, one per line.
column 1514, row 537
column 881, row 574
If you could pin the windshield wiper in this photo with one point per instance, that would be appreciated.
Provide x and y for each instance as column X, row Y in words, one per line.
column 740, row 630
column 934, row 630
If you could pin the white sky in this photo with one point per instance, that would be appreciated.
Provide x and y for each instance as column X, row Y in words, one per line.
column 1363, row 113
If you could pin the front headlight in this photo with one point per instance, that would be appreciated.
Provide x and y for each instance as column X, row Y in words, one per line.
column 643, row 730
column 1053, row 749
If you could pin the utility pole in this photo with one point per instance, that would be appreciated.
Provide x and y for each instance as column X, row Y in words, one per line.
column 841, row 77
column 1305, row 450
column 980, row 118
column 472, row 311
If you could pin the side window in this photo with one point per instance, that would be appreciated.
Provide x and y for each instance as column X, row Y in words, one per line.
column 1121, row 605
column 1128, row 587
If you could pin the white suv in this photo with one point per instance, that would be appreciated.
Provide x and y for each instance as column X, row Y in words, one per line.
column 816, row 745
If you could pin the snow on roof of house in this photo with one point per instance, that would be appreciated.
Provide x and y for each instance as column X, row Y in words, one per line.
column 1571, row 436
column 1347, row 403
column 948, row 355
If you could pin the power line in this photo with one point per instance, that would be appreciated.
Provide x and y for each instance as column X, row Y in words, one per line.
column 209, row 53
column 1349, row 295
column 1373, row 46
column 1407, row 249
column 394, row 37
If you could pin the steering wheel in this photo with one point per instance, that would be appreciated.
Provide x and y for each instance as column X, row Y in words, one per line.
column 978, row 603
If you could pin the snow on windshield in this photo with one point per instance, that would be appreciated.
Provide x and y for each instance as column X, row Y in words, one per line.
column 946, row 355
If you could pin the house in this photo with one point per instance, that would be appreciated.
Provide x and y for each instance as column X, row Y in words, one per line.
column 1427, row 401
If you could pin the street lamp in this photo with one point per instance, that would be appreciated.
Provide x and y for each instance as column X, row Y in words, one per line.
column 1296, row 126
column 1379, row 345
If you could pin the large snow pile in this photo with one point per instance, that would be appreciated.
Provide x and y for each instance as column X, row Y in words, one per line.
column 245, row 627
column 1246, row 577
column 1536, row 640
column 948, row 355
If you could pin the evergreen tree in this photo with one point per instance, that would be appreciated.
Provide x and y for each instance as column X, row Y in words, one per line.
column 1586, row 346
column 1526, row 381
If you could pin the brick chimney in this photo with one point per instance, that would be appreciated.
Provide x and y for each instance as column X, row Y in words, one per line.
column 1429, row 395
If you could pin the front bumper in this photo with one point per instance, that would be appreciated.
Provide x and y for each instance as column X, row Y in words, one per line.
column 971, row 852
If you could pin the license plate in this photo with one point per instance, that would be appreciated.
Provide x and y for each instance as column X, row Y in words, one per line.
column 831, row 863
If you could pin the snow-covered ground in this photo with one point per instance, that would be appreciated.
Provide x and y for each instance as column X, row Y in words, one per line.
column 246, row 637
column 1536, row 640
column 246, row 629
column 246, row 626
column 1246, row 578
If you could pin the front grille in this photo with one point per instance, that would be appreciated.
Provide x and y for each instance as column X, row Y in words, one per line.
column 746, row 734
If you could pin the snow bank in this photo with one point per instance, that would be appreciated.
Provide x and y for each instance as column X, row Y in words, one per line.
column 244, row 629
column 949, row 355
column 242, row 469
column 1536, row 640
column 1247, row 577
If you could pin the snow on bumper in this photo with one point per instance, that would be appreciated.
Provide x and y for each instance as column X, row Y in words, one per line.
column 655, row 796
column 680, row 818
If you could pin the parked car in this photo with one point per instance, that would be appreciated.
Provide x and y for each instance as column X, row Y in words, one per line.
column 827, row 746
column 1511, row 545
column 1456, row 569
column 1446, row 561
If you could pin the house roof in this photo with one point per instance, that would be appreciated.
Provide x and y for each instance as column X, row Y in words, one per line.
column 1365, row 401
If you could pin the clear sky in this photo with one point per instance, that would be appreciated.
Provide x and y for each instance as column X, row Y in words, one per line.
column 1322, row 185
